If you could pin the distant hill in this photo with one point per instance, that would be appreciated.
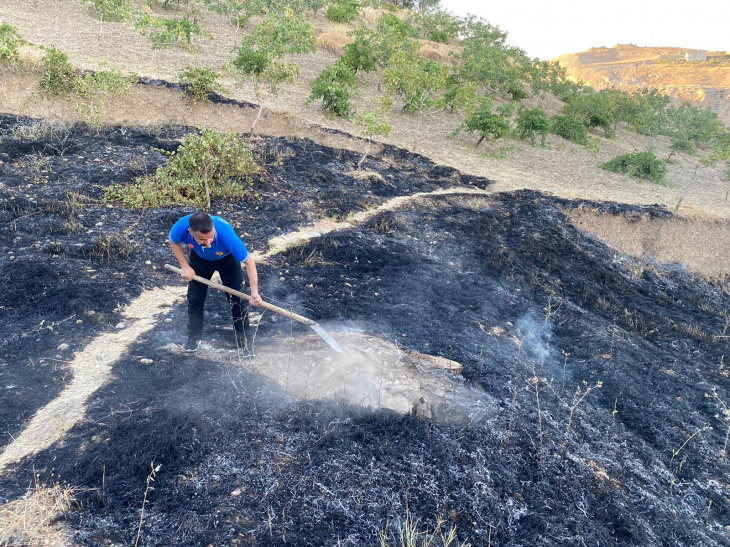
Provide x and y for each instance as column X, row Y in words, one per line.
column 685, row 74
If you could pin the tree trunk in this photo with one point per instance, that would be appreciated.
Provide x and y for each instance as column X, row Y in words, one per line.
column 686, row 189
column 261, row 109
column 365, row 155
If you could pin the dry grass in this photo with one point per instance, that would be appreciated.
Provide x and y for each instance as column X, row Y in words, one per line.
column 32, row 519
column 335, row 38
column 443, row 53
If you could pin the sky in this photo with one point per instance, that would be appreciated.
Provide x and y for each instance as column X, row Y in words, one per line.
column 549, row 28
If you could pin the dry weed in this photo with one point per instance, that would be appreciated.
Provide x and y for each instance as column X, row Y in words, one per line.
column 32, row 519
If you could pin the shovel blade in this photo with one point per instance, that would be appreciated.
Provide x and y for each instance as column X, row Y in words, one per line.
column 324, row 335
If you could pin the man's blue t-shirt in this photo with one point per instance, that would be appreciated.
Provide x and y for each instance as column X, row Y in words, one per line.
column 226, row 240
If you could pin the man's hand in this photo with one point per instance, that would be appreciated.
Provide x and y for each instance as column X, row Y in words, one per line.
column 187, row 272
column 256, row 299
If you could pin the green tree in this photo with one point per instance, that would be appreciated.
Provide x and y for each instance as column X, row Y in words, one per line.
column 489, row 61
column 259, row 60
column 438, row 25
column 343, row 11
column 594, row 109
column 238, row 12
column 205, row 166
column 691, row 127
column 647, row 113
column 569, row 127
column 113, row 10
column 530, row 123
column 419, row 83
column 94, row 90
column 485, row 123
column 334, row 85
column 360, row 53
column 165, row 32
column 373, row 123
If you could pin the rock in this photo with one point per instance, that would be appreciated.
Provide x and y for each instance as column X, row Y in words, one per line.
column 236, row 493
column 148, row 262
column 62, row 347
column 168, row 320
column 79, row 321
column 146, row 361
column 120, row 325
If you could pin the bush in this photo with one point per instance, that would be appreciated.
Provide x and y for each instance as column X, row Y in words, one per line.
column 199, row 82
column 344, row 11
column 333, row 86
column 642, row 165
column 10, row 41
column 205, row 166
column 531, row 123
column 59, row 77
column 569, row 127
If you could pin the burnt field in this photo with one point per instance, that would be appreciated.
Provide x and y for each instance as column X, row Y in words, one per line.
column 591, row 408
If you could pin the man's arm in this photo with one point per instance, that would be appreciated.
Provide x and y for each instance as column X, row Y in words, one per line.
column 253, row 280
column 187, row 271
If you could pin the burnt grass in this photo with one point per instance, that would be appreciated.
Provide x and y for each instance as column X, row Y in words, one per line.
column 503, row 284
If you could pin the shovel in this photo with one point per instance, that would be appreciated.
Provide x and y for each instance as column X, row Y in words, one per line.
column 286, row 313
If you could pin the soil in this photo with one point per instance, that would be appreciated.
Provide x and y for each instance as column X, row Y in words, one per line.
column 534, row 310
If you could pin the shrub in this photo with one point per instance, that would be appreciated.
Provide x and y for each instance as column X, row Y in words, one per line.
column 569, row 127
column 344, row 11
column 205, row 166
column 10, row 41
column 199, row 82
column 333, row 86
column 113, row 10
column 531, row 123
column 59, row 77
column 642, row 165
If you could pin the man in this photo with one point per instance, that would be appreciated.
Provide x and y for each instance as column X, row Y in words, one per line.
column 214, row 246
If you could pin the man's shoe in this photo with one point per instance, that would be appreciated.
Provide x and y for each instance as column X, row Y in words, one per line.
column 192, row 345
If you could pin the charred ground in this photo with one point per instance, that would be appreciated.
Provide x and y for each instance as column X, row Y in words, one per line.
column 500, row 283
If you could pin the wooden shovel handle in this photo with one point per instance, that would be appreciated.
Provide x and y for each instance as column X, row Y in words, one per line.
column 277, row 309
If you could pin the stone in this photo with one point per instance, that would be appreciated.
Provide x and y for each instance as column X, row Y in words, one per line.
column 62, row 347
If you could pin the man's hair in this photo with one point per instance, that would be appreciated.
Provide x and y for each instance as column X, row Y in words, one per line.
column 200, row 222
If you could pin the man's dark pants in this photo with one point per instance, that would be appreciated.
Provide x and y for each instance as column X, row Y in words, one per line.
column 232, row 277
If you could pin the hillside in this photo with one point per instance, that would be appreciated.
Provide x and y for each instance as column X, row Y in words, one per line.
column 704, row 79
column 535, row 350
